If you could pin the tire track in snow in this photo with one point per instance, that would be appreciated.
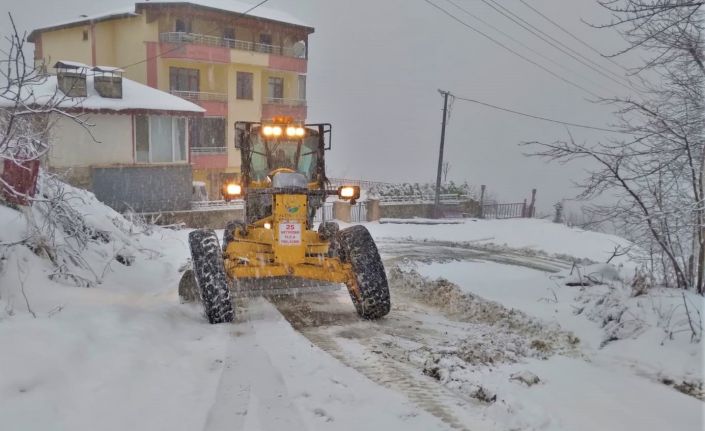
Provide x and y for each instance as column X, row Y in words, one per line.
column 325, row 319
column 395, row 250
column 422, row 391
column 251, row 392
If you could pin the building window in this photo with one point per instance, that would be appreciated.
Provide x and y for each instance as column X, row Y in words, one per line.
column 276, row 88
column 265, row 43
column 182, row 26
column 85, row 35
column 302, row 87
column 208, row 132
column 244, row 85
column 182, row 79
column 229, row 33
column 160, row 139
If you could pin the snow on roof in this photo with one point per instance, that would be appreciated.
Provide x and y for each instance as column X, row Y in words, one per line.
column 107, row 69
column 117, row 13
column 67, row 64
column 237, row 6
column 135, row 96
column 233, row 6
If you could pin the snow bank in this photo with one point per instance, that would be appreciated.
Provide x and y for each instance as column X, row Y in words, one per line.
column 532, row 234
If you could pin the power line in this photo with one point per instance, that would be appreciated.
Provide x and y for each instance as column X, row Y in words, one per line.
column 179, row 46
column 477, row 18
column 495, row 41
column 554, row 43
column 587, row 45
column 536, row 117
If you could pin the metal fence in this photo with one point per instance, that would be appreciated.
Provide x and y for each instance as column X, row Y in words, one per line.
column 217, row 205
column 324, row 213
column 358, row 213
column 422, row 199
column 502, row 211
column 200, row 95
column 365, row 185
column 204, row 39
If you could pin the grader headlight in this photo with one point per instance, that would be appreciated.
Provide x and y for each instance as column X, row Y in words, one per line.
column 295, row 131
column 232, row 191
column 349, row 193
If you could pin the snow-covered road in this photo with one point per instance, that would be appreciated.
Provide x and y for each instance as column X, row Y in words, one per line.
column 461, row 352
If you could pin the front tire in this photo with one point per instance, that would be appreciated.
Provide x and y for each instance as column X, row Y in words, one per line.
column 359, row 249
column 210, row 276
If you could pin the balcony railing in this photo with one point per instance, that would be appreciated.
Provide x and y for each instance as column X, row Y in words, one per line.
column 208, row 150
column 282, row 101
column 204, row 39
column 200, row 96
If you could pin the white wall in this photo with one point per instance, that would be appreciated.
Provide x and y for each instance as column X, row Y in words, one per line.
column 73, row 146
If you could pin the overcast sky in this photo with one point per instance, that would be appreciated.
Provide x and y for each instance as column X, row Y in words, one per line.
column 375, row 67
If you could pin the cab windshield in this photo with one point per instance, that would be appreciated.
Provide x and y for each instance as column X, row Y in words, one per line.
column 299, row 155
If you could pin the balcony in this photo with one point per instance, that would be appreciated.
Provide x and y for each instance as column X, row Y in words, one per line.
column 274, row 106
column 209, row 157
column 225, row 43
column 215, row 104
column 286, row 102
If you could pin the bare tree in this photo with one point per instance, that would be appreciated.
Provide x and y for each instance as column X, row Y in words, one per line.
column 658, row 172
column 28, row 107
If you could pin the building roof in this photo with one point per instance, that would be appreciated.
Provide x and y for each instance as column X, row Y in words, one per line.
column 136, row 97
column 231, row 6
column 236, row 6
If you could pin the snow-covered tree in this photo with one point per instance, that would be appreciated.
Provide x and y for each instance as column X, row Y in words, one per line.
column 657, row 172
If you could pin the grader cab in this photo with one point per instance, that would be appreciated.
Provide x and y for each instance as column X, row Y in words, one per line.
column 275, row 250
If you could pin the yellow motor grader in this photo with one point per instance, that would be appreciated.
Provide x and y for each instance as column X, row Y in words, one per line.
column 275, row 249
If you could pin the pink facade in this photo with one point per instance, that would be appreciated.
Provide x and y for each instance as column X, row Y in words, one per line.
column 290, row 64
column 272, row 110
column 209, row 161
column 213, row 108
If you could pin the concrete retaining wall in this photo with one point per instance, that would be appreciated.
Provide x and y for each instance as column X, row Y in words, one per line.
column 211, row 219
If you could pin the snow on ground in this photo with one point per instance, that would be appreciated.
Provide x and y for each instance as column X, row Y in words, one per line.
column 602, row 379
column 533, row 234
column 124, row 353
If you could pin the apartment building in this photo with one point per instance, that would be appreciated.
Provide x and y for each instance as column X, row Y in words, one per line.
column 237, row 67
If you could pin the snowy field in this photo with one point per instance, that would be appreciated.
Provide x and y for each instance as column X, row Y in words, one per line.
column 484, row 334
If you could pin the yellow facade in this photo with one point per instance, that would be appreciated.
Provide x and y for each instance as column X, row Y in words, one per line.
column 140, row 44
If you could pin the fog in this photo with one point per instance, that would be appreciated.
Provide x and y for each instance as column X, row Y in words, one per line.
column 375, row 68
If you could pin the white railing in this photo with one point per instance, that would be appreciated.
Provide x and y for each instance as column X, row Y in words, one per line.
column 422, row 199
column 200, row 95
column 217, row 205
column 209, row 150
column 204, row 39
column 282, row 101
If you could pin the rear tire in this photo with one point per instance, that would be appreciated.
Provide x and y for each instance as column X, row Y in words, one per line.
column 209, row 273
column 359, row 249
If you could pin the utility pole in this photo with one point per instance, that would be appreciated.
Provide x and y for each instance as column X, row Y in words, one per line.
column 437, row 205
